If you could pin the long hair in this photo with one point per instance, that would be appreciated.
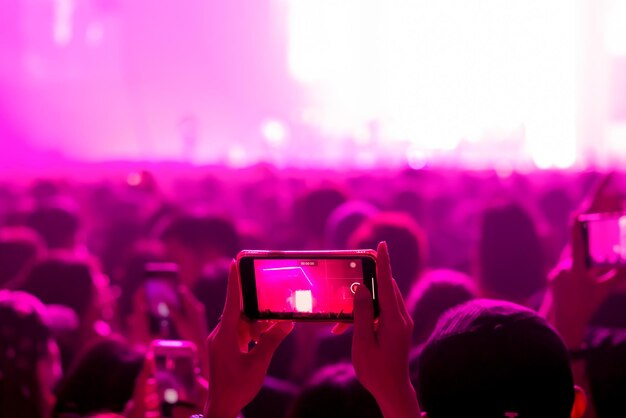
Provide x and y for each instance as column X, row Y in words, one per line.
column 23, row 342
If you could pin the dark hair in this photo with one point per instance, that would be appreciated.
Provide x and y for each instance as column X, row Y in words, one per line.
column 24, row 339
column 435, row 293
column 486, row 358
column 606, row 372
column 204, row 232
column 62, row 282
column 334, row 392
column 511, row 254
column 57, row 226
column 344, row 220
column 406, row 241
column 18, row 249
column 312, row 210
column 101, row 380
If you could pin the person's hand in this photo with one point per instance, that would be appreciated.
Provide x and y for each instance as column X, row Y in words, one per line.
column 145, row 402
column 236, row 373
column 380, row 351
column 577, row 291
column 138, row 323
column 190, row 322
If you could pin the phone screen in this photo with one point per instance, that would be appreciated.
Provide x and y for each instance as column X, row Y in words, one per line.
column 309, row 288
column 606, row 239
column 175, row 375
column 161, row 296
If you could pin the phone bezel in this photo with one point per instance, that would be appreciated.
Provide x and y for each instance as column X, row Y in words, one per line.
column 247, row 281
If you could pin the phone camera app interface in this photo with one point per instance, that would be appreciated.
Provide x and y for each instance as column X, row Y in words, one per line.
column 308, row 288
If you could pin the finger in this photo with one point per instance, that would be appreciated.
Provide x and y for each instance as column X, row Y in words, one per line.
column 232, row 309
column 139, row 301
column 189, row 301
column 401, row 305
column 594, row 200
column 256, row 329
column 579, row 254
column 270, row 340
column 340, row 328
column 363, row 318
column 386, row 294
column 612, row 277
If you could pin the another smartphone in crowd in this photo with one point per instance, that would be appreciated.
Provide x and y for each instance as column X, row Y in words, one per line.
column 162, row 296
column 176, row 371
column 305, row 285
column 604, row 235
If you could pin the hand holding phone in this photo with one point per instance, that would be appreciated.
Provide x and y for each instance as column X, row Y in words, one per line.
column 176, row 371
column 604, row 236
column 305, row 285
column 238, row 362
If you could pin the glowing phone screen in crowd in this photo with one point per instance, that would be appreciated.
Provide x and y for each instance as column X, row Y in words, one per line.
column 322, row 288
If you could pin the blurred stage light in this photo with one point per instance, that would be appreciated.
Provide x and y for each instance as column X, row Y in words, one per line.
column 274, row 132
column 615, row 27
column 63, row 15
column 439, row 73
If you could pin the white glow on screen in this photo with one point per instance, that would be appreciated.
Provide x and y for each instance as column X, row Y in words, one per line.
column 440, row 74
column 303, row 301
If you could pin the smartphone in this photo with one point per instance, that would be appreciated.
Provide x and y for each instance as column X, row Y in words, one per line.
column 162, row 296
column 305, row 285
column 176, row 371
column 604, row 235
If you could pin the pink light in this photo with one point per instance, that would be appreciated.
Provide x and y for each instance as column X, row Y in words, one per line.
column 133, row 179
column 303, row 301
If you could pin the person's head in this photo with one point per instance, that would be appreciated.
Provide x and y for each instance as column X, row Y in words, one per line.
column 101, row 380
column 19, row 248
column 29, row 358
column 57, row 225
column 435, row 293
column 411, row 203
column 311, row 212
column 496, row 359
column 334, row 392
column 72, row 284
column 406, row 241
column 510, row 254
column 606, row 372
column 195, row 241
column 344, row 220
column 60, row 281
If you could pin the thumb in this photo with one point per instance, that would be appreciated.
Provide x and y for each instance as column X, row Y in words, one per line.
column 270, row 340
column 363, row 317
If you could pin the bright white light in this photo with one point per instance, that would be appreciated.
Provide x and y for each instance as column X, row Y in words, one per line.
column 303, row 301
column 170, row 396
column 436, row 72
column 416, row 158
column 615, row 27
column 274, row 132
column 163, row 310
